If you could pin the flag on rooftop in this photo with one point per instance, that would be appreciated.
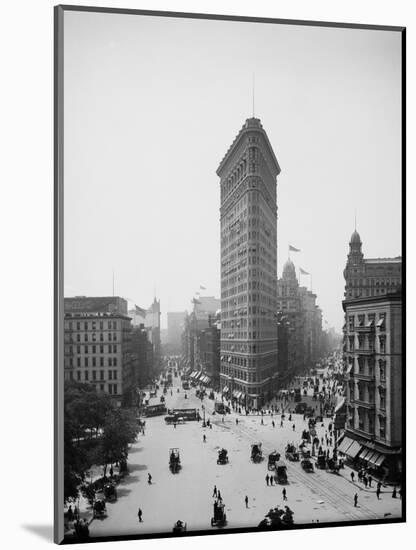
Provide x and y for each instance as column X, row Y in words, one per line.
column 293, row 249
column 303, row 272
column 202, row 287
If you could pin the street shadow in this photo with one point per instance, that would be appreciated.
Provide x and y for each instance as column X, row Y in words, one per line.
column 137, row 467
column 44, row 532
column 122, row 492
column 135, row 450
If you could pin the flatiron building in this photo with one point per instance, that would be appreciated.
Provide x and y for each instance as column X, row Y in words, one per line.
column 248, row 214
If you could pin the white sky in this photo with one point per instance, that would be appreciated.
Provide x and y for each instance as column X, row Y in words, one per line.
column 151, row 106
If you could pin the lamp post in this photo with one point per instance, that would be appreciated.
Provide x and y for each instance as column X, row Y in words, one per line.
column 204, row 425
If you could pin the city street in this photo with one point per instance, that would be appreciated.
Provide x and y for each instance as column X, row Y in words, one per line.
column 318, row 496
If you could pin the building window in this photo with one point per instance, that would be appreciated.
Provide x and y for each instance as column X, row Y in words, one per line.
column 78, row 338
column 85, row 349
column 101, row 349
column 94, row 375
column 115, row 348
column 78, row 361
column 94, row 363
column 86, row 375
column 114, row 361
column 351, row 323
column 101, row 337
column 78, row 326
column 78, row 375
column 110, row 374
column 114, row 375
column 360, row 319
column 101, row 387
column 115, row 389
column 94, row 349
column 85, row 326
column 382, row 368
column 101, row 325
column 101, row 375
column 382, row 422
column 110, row 388
column 78, row 349
column 110, row 362
column 101, row 361
column 382, row 340
column 85, row 337
column 85, row 361
column 360, row 420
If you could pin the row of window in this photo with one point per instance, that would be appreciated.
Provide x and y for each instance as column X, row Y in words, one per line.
column 92, row 337
column 92, row 325
column 109, row 348
column 95, row 362
column 93, row 375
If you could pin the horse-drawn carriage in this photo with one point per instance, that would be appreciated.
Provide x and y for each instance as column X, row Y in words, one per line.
column 110, row 492
column 281, row 472
column 179, row 527
column 291, row 453
column 333, row 466
column 256, row 452
column 220, row 518
column 174, row 460
column 99, row 508
column 222, row 456
column 321, row 461
column 307, row 465
column 273, row 458
column 276, row 517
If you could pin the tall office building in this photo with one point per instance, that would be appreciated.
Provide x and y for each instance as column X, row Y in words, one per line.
column 248, row 266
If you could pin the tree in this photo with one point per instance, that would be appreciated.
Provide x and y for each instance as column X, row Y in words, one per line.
column 119, row 431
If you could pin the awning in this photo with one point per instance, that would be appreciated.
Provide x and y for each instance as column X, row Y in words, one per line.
column 225, row 389
column 345, row 444
column 377, row 459
column 354, row 449
column 235, row 393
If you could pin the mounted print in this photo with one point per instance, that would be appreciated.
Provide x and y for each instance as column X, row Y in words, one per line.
column 229, row 274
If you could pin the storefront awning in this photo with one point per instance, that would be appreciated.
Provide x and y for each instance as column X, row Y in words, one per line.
column 354, row 449
column 235, row 393
column 225, row 389
column 344, row 445
column 376, row 459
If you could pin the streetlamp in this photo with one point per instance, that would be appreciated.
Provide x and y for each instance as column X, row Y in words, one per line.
column 204, row 425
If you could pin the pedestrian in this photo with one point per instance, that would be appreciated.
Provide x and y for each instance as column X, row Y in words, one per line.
column 70, row 513
column 379, row 486
column 236, row 421
column 267, row 480
column 246, row 501
column 378, row 493
column 370, row 479
column 219, row 496
column 210, row 426
column 111, row 471
column 355, row 500
column 352, row 477
column 273, row 424
column 284, row 494
column 271, row 481
column 149, row 479
column 400, row 493
column 140, row 514
column 262, row 423
column 223, row 418
column 293, row 427
column 360, row 475
column 394, row 494
column 204, row 438
column 365, row 481
column 174, row 425
column 290, row 418
column 214, row 493
column 281, row 423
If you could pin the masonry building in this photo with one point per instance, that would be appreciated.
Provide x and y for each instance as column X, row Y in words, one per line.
column 373, row 362
column 97, row 340
column 248, row 217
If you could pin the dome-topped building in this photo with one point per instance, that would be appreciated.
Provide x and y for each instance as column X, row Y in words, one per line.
column 366, row 277
column 289, row 271
column 355, row 238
